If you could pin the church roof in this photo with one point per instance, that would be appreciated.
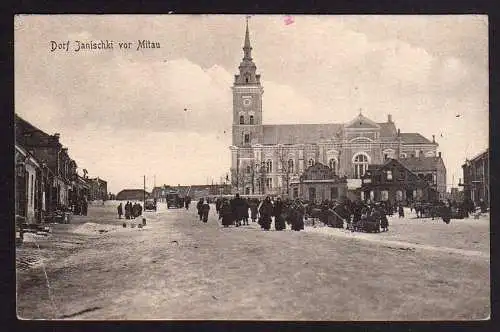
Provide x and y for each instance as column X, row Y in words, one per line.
column 388, row 129
column 298, row 133
column 414, row 138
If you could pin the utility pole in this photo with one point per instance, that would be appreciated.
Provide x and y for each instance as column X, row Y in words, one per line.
column 144, row 201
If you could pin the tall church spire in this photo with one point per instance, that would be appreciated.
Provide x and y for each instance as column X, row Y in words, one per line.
column 247, row 67
column 247, row 49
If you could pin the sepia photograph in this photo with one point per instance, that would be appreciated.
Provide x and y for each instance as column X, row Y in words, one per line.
column 252, row 167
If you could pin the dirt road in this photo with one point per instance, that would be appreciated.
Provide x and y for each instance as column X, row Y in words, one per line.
column 180, row 268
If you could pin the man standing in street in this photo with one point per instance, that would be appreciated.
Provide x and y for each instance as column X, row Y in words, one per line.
column 120, row 211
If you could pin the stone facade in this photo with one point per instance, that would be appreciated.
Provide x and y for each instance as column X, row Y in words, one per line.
column 265, row 159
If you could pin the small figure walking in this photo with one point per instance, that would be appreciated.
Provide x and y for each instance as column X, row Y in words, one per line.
column 401, row 211
column 120, row 211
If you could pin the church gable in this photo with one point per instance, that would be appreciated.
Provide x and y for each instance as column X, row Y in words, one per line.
column 362, row 122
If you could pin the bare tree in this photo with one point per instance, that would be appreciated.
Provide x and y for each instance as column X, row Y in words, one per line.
column 286, row 169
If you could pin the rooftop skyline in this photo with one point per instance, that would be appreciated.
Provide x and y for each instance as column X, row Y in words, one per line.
column 167, row 111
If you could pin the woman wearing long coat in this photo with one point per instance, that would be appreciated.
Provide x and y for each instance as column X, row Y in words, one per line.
column 254, row 209
column 266, row 211
column 205, row 208
column 226, row 214
column 198, row 207
column 279, row 221
column 298, row 216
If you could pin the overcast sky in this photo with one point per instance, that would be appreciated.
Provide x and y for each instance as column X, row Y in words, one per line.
column 121, row 112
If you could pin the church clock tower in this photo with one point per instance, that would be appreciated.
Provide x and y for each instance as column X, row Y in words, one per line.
column 247, row 100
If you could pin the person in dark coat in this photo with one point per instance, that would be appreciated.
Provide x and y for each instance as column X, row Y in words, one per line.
column 237, row 207
column 245, row 207
column 127, row 211
column 226, row 213
column 384, row 222
column 254, row 209
column 139, row 209
column 279, row 221
column 205, row 208
column 187, row 202
column 266, row 211
column 401, row 211
column 298, row 216
column 120, row 211
column 218, row 205
column 446, row 212
column 198, row 207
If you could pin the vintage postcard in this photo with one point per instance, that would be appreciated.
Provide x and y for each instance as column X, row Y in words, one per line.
column 252, row 167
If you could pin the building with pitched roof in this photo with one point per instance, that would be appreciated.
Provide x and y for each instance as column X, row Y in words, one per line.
column 266, row 158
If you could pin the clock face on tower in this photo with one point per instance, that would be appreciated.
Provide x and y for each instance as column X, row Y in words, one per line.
column 247, row 101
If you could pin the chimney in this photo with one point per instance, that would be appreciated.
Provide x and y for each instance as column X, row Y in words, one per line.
column 433, row 138
column 389, row 118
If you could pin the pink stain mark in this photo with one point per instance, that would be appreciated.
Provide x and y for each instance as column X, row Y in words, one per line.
column 288, row 20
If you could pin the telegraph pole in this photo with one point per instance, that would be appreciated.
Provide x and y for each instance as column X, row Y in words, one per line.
column 144, row 201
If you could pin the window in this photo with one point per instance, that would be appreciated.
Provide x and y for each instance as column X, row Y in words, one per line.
column 242, row 119
column 290, row 166
column 333, row 165
column 402, row 155
column 247, row 191
column 360, row 165
column 251, row 119
column 246, row 79
column 247, row 138
column 386, row 156
column 269, row 166
column 399, row 195
column 310, row 162
column 248, row 169
column 384, row 195
column 269, row 183
column 295, row 192
column 334, row 193
column 389, row 175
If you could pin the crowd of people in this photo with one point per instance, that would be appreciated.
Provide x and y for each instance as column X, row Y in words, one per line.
column 132, row 211
column 239, row 211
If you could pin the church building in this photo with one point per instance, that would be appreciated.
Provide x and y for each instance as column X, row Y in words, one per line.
column 268, row 159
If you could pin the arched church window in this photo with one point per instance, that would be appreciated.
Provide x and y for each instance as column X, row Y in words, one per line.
column 269, row 166
column 247, row 138
column 333, row 165
column 290, row 165
column 246, row 79
column 360, row 165
column 310, row 162
column 251, row 119
column 242, row 119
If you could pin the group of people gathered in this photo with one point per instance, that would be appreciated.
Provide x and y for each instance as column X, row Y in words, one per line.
column 236, row 212
column 132, row 211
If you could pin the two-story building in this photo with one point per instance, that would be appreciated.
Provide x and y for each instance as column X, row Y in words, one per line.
column 476, row 172
column 392, row 181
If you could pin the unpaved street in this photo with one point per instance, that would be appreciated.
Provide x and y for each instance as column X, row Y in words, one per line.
column 179, row 268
